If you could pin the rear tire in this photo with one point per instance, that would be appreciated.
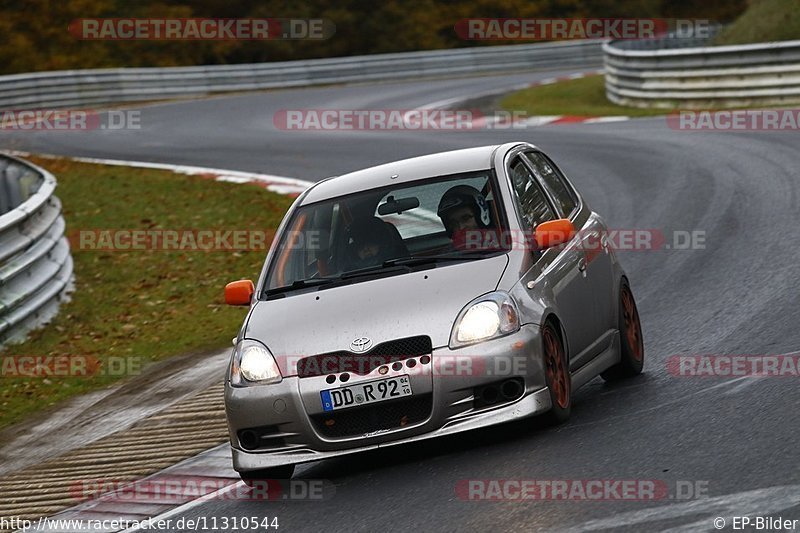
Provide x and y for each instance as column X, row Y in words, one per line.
column 631, row 342
column 557, row 377
column 252, row 477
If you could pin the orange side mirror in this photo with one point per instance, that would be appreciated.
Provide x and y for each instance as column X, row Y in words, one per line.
column 554, row 232
column 239, row 292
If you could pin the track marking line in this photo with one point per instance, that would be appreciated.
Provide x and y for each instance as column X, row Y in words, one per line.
column 187, row 506
column 276, row 184
column 762, row 502
column 534, row 121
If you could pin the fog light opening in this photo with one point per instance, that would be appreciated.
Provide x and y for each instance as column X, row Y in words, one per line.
column 249, row 439
column 511, row 389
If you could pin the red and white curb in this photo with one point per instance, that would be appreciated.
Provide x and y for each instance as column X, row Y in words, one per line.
column 277, row 184
column 535, row 121
column 548, row 120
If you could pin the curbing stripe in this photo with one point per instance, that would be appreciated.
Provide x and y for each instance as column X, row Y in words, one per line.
column 189, row 505
column 534, row 121
column 276, row 184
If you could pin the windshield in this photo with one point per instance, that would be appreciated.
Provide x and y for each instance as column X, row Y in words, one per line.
column 435, row 220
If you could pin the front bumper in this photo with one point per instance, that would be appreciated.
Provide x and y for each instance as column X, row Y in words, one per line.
column 292, row 408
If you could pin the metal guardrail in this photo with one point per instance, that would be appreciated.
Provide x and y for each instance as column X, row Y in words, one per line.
column 681, row 72
column 35, row 263
column 74, row 88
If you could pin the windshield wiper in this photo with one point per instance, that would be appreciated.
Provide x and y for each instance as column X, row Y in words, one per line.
column 302, row 284
column 404, row 263
column 441, row 258
column 387, row 266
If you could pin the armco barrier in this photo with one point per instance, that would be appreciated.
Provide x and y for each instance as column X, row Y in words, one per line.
column 35, row 263
column 681, row 72
column 74, row 88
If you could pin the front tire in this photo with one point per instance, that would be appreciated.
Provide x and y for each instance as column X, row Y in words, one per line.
column 631, row 342
column 557, row 377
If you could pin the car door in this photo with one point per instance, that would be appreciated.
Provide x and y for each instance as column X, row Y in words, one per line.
column 562, row 266
column 597, row 268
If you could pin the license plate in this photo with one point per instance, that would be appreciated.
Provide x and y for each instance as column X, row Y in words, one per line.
column 366, row 393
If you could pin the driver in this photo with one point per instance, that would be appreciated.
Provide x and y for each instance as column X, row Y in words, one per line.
column 369, row 243
column 465, row 214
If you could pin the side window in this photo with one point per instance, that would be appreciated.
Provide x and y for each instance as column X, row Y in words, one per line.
column 531, row 200
column 561, row 191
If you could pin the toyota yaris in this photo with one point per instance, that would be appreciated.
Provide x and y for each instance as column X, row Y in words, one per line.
column 423, row 298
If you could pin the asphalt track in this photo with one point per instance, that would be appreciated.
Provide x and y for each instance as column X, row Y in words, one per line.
column 738, row 295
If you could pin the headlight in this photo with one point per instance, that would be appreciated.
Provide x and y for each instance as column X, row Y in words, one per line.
column 490, row 316
column 253, row 364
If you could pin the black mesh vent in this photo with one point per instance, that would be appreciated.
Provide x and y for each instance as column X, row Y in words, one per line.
column 392, row 414
column 364, row 363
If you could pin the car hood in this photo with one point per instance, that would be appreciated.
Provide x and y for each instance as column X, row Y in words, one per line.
column 424, row 302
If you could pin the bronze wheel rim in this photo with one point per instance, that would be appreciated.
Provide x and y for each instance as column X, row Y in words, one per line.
column 633, row 329
column 557, row 376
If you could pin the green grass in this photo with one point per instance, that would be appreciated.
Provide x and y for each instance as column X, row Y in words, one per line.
column 764, row 21
column 146, row 305
column 584, row 97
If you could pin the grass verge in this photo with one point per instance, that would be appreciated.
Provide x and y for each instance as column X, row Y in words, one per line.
column 585, row 97
column 134, row 307
column 764, row 21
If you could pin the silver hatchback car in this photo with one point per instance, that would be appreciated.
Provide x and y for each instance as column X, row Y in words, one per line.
column 423, row 298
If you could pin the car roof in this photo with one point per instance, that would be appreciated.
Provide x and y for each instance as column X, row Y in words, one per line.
column 426, row 166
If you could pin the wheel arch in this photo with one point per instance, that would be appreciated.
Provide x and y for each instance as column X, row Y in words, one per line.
column 552, row 317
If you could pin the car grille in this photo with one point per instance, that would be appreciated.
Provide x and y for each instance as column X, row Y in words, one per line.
column 364, row 363
column 387, row 415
